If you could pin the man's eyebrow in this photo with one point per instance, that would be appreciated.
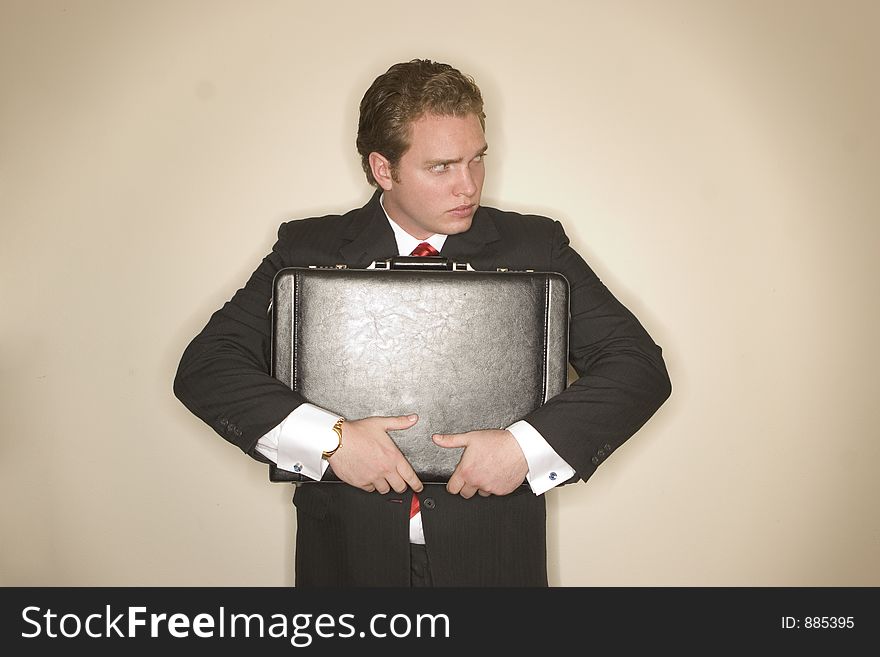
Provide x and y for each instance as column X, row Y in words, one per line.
column 480, row 152
column 432, row 163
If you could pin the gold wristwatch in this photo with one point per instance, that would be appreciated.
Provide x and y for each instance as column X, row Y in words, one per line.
column 338, row 429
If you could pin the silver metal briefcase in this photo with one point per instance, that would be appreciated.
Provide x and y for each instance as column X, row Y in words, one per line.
column 463, row 349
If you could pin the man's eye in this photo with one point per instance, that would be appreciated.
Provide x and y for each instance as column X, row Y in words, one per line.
column 439, row 168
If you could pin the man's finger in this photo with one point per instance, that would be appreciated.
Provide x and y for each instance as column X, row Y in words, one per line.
column 467, row 492
column 450, row 439
column 400, row 422
column 455, row 483
column 409, row 476
column 396, row 482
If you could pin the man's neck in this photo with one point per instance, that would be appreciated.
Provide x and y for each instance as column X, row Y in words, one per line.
column 406, row 242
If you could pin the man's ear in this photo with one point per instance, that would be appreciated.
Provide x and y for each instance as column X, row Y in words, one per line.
column 381, row 168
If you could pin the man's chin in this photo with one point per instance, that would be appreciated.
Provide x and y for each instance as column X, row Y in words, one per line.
column 455, row 225
column 458, row 229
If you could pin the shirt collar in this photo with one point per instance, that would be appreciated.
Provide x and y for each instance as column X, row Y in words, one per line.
column 406, row 242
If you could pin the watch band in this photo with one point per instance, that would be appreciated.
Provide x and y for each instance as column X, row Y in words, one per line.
column 337, row 427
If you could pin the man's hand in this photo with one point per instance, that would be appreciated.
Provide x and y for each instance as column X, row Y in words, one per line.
column 368, row 459
column 492, row 462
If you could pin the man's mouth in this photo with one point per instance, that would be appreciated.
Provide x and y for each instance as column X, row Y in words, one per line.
column 463, row 210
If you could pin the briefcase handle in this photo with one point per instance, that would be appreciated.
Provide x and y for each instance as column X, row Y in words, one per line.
column 421, row 263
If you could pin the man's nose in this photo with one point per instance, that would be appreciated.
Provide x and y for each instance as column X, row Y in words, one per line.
column 465, row 185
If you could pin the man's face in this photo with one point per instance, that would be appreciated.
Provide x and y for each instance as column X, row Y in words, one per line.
column 440, row 177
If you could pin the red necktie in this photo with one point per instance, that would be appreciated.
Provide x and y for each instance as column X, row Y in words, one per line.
column 423, row 249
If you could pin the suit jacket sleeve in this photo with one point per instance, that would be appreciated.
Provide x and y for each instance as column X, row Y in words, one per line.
column 224, row 374
column 622, row 376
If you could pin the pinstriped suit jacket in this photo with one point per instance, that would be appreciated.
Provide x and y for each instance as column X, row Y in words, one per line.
column 346, row 537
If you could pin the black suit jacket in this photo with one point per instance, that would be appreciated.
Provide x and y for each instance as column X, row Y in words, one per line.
column 348, row 537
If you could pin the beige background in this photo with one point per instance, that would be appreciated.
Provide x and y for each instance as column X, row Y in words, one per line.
column 716, row 163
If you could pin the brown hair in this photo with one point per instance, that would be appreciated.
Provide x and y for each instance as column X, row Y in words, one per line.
column 404, row 93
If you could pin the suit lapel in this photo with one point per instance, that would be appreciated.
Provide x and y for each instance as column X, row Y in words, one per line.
column 369, row 236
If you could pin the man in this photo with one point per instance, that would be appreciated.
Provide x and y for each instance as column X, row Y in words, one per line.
column 422, row 144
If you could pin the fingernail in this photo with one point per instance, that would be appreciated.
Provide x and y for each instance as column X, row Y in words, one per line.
column 412, row 418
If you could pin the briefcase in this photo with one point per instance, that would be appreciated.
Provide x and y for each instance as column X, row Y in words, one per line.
column 463, row 349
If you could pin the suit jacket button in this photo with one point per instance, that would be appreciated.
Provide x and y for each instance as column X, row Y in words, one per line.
column 428, row 503
column 595, row 460
column 238, row 431
column 223, row 421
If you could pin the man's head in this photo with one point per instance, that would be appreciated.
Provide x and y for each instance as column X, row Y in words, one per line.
column 404, row 93
column 420, row 137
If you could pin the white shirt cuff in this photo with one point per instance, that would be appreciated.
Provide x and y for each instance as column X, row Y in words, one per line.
column 297, row 444
column 546, row 467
